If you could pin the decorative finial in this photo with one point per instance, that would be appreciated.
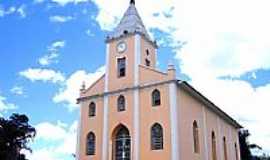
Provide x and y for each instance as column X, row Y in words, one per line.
column 83, row 87
column 132, row 2
column 171, row 65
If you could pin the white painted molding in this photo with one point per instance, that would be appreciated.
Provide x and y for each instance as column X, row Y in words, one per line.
column 136, row 121
column 220, row 140
column 105, row 137
column 136, row 112
column 79, row 135
column 156, row 65
column 137, row 59
column 231, row 145
column 174, row 122
column 107, row 67
column 205, row 133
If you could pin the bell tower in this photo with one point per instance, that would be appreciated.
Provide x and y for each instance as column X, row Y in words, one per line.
column 128, row 46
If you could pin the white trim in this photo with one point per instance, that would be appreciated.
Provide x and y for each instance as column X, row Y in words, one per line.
column 174, row 121
column 220, row 140
column 107, row 67
column 79, row 135
column 156, row 65
column 136, row 122
column 137, row 59
column 205, row 133
column 105, row 137
column 136, row 112
column 231, row 144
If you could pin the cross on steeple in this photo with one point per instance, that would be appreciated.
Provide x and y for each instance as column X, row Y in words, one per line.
column 132, row 1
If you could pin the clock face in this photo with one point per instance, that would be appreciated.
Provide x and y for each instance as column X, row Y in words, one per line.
column 121, row 47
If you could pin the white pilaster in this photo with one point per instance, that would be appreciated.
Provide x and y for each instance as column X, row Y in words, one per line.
column 205, row 133
column 136, row 122
column 231, row 145
column 79, row 136
column 105, row 136
column 137, row 58
column 156, row 51
column 136, row 112
column 107, row 67
column 174, row 122
column 220, row 140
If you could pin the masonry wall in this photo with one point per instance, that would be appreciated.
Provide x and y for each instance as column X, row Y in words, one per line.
column 191, row 109
column 115, row 82
column 93, row 124
column 151, row 115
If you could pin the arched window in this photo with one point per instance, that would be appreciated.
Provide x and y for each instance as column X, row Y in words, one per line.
column 91, row 144
column 155, row 98
column 156, row 137
column 196, row 137
column 121, row 143
column 92, row 109
column 121, row 104
column 147, row 52
column 147, row 62
column 214, row 148
column 236, row 152
column 225, row 148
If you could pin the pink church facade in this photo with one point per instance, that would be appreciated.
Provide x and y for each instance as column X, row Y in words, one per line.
column 136, row 112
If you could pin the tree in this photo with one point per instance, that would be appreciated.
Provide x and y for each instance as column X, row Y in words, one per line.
column 245, row 146
column 15, row 134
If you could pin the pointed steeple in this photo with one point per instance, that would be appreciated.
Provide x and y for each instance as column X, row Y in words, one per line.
column 132, row 1
column 131, row 23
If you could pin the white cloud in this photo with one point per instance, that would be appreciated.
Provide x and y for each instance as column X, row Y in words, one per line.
column 48, row 59
column 43, row 154
column 45, row 75
column 68, row 146
column 223, row 38
column 6, row 106
column 70, row 91
column 39, row 1
column 57, row 44
column 12, row 10
column 212, row 34
column 60, row 19
column 53, row 53
column 17, row 90
column 2, row 12
column 50, row 132
column 61, row 139
column 69, row 87
column 89, row 33
column 62, row 2
column 238, row 98
column 21, row 11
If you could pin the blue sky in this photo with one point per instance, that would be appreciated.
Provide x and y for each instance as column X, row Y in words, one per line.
column 48, row 47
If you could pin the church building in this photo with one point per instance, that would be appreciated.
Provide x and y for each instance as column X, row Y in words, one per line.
column 136, row 112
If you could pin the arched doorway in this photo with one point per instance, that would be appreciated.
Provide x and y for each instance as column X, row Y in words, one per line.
column 121, row 148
